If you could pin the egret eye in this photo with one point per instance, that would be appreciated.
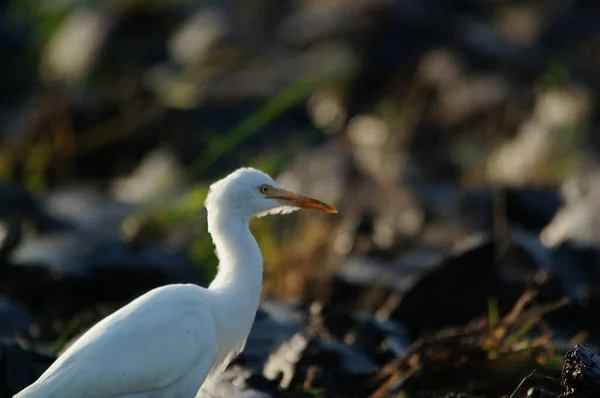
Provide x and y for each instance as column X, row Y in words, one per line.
column 264, row 189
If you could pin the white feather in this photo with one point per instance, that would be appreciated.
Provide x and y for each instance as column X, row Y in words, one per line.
column 166, row 342
column 278, row 210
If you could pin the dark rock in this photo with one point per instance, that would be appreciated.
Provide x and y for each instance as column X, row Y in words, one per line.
column 581, row 373
column 397, row 274
column 459, row 288
column 537, row 392
column 330, row 321
column 111, row 274
column 240, row 382
column 19, row 213
column 529, row 208
column 329, row 364
column 88, row 208
column 13, row 318
column 175, row 266
column 383, row 340
column 56, row 299
column 576, row 271
column 274, row 324
column 19, row 367
column 95, row 239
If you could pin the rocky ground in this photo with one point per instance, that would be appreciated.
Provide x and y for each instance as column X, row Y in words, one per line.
column 457, row 138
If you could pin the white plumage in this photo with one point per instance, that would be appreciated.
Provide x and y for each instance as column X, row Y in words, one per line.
column 168, row 341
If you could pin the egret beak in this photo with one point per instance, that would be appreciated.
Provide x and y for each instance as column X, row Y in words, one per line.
column 302, row 201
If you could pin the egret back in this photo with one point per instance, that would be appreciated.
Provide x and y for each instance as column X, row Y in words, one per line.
column 150, row 344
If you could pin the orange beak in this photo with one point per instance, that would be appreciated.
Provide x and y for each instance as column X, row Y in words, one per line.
column 303, row 201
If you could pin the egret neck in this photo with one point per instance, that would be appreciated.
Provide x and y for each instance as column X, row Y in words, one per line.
column 239, row 276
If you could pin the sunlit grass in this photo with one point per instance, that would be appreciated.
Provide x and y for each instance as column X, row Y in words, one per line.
column 158, row 215
column 512, row 334
column 43, row 18
column 493, row 312
column 521, row 383
column 36, row 164
column 275, row 107
column 72, row 328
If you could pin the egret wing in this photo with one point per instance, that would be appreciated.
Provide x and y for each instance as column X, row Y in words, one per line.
column 147, row 345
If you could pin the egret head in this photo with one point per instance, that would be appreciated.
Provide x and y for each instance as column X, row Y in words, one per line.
column 254, row 194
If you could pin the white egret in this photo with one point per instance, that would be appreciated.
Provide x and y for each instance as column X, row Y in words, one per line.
column 168, row 341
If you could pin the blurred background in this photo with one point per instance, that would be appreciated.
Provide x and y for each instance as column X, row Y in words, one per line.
column 457, row 138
